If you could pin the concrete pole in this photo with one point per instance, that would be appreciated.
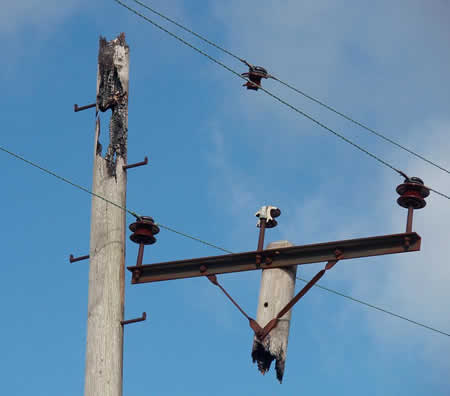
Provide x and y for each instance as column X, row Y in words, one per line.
column 104, row 348
column 277, row 289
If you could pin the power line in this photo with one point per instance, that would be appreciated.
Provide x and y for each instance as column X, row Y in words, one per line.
column 200, row 240
column 205, row 242
column 439, row 193
column 380, row 160
column 360, row 124
column 263, row 89
column 194, row 238
column 305, row 115
column 188, row 30
column 321, row 103
column 377, row 308
column 65, row 180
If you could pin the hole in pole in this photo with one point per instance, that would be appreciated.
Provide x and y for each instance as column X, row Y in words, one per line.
column 266, row 304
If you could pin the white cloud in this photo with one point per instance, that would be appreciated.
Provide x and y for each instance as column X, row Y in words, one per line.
column 42, row 15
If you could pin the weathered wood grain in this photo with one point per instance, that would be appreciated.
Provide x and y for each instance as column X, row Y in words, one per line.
column 104, row 349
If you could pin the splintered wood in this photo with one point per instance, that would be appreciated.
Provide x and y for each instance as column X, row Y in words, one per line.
column 277, row 289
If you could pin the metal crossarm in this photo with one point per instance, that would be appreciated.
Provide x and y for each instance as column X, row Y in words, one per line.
column 276, row 258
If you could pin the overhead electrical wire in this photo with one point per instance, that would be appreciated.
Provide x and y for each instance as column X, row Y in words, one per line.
column 263, row 89
column 337, row 134
column 193, row 238
column 360, row 124
column 376, row 308
column 86, row 190
column 65, row 180
column 321, row 103
column 302, row 113
column 203, row 241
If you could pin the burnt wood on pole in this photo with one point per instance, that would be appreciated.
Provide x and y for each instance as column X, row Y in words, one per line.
column 277, row 290
column 104, row 347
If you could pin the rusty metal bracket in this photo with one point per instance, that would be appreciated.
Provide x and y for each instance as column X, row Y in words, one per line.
column 262, row 229
column 76, row 109
column 281, row 257
column 145, row 162
column 136, row 275
column 273, row 323
column 213, row 279
column 75, row 259
column 260, row 332
column 252, row 322
column 141, row 319
column 266, row 216
column 412, row 197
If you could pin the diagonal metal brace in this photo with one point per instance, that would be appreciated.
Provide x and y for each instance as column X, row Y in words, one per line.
column 273, row 323
column 252, row 322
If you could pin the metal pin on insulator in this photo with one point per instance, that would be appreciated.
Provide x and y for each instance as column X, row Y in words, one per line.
column 266, row 216
column 412, row 196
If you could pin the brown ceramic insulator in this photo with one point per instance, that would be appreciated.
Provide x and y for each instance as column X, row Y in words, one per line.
column 144, row 230
column 412, row 193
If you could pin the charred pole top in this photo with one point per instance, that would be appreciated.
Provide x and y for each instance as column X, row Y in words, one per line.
column 112, row 93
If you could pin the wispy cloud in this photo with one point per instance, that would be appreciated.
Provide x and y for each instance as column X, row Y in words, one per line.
column 228, row 180
column 42, row 15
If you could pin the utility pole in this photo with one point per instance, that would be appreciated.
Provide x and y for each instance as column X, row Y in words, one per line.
column 104, row 347
column 277, row 290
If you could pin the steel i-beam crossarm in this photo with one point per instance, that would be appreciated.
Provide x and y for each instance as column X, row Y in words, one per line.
column 412, row 196
column 276, row 258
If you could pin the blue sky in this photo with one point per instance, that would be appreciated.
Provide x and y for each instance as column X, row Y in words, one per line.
column 218, row 153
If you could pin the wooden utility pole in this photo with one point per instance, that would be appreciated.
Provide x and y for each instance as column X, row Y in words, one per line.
column 277, row 290
column 104, row 348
